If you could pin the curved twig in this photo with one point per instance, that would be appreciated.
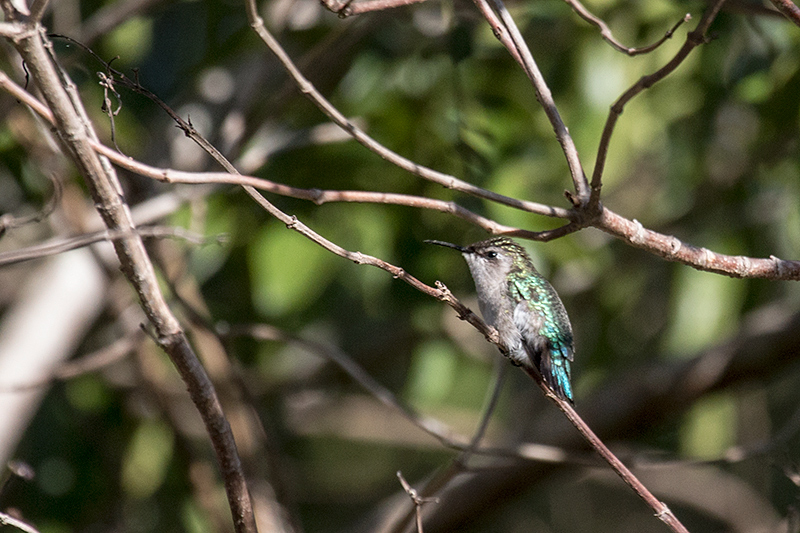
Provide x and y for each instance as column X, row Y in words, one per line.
column 605, row 31
column 693, row 39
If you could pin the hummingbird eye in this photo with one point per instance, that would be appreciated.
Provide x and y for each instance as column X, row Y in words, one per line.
column 491, row 254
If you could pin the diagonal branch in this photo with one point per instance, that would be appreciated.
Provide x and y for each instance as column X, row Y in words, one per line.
column 445, row 180
column 788, row 9
column 76, row 134
column 662, row 512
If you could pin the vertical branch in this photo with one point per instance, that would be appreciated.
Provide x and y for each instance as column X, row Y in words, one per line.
column 693, row 39
column 545, row 98
column 77, row 135
column 38, row 8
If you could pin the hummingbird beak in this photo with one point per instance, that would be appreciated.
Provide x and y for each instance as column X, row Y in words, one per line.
column 461, row 249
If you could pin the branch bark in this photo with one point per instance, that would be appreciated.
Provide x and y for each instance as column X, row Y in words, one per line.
column 76, row 134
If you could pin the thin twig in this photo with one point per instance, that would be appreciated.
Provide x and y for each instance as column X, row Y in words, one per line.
column 693, row 39
column 661, row 510
column 61, row 245
column 416, row 499
column 605, row 31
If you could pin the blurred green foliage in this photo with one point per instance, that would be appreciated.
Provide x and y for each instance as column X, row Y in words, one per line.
column 711, row 155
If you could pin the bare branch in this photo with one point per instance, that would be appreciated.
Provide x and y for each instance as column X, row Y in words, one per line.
column 416, row 499
column 673, row 249
column 60, row 245
column 693, row 40
column 605, row 31
column 445, row 180
column 788, row 9
column 76, row 132
column 661, row 510
column 545, row 98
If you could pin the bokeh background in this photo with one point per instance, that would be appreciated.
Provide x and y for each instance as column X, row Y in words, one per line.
column 692, row 377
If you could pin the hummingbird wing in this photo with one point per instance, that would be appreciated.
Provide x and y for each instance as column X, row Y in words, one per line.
column 546, row 332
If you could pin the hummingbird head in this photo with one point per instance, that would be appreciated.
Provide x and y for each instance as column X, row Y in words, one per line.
column 493, row 258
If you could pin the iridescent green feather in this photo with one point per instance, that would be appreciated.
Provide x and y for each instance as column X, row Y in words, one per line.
column 551, row 346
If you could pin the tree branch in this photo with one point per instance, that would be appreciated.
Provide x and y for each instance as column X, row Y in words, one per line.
column 605, row 31
column 672, row 249
column 445, row 180
column 788, row 9
column 75, row 132
column 693, row 40
column 545, row 98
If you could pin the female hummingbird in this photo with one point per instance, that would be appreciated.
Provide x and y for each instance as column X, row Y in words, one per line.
column 524, row 309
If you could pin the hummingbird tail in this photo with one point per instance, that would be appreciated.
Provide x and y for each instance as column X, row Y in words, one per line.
column 556, row 371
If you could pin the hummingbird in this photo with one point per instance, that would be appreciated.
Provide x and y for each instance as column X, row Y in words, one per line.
column 524, row 309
